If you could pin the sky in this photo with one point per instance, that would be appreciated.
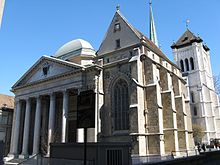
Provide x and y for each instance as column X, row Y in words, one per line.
column 32, row 28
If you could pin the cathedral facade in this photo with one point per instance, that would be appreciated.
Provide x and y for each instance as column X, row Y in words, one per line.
column 140, row 96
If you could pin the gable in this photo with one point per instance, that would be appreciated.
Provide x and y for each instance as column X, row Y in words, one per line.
column 45, row 68
column 119, row 29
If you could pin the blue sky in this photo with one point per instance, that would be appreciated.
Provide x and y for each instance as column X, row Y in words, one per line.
column 31, row 28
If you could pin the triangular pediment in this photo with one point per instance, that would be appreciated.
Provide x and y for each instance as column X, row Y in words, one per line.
column 46, row 68
column 119, row 29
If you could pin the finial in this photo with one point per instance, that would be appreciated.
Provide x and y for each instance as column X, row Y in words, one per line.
column 150, row 2
column 118, row 7
column 187, row 23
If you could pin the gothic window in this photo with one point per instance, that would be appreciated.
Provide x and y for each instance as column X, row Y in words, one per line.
column 187, row 64
column 195, row 111
column 120, row 105
column 182, row 65
column 192, row 63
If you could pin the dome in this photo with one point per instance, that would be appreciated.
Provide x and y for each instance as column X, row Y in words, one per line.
column 75, row 48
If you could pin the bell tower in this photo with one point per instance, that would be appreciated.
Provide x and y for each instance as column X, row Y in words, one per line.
column 193, row 58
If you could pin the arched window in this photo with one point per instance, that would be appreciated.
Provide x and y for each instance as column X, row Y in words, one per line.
column 120, row 105
column 191, row 63
column 182, row 65
column 187, row 64
column 195, row 111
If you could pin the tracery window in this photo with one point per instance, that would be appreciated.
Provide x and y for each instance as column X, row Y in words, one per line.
column 187, row 64
column 182, row 65
column 191, row 63
column 120, row 105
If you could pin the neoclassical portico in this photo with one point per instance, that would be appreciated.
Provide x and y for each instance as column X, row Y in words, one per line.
column 46, row 100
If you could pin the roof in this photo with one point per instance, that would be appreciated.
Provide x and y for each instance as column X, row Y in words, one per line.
column 151, row 46
column 75, row 47
column 6, row 101
column 186, row 39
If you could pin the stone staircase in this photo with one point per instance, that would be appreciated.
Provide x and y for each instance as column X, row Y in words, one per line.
column 14, row 161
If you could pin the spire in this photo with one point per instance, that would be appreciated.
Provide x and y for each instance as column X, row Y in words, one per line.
column 2, row 3
column 153, row 34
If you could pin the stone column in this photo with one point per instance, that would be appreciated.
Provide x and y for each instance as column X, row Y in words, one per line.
column 51, row 122
column 24, row 153
column 37, row 126
column 64, row 116
column 15, row 130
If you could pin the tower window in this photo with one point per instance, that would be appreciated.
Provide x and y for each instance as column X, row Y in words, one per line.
column 182, row 65
column 117, row 43
column 195, row 111
column 192, row 63
column 187, row 64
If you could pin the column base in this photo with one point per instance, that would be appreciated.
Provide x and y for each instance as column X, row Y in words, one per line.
column 12, row 156
column 23, row 156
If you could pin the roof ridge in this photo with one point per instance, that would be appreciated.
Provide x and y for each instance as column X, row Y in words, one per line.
column 137, row 32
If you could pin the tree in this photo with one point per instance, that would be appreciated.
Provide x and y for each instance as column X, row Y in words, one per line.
column 198, row 133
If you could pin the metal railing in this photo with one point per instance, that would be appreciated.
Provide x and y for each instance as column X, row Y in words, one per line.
column 138, row 160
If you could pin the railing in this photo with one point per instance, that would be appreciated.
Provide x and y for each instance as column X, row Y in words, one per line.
column 184, row 153
column 138, row 160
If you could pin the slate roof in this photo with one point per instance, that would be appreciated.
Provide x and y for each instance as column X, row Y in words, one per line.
column 186, row 39
column 149, row 43
column 6, row 101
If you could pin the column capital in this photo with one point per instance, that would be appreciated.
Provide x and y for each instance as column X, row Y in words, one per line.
column 65, row 91
column 17, row 99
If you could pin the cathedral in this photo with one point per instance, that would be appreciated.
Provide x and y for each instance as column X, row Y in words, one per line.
column 141, row 97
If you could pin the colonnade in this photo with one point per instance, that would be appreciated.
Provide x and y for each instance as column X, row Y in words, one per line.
column 37, row 124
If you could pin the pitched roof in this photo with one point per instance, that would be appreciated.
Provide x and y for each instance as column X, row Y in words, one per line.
column 137, row 32
column 150, row 44
column 6, row 101
column 186, row 39
column 141, row 36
